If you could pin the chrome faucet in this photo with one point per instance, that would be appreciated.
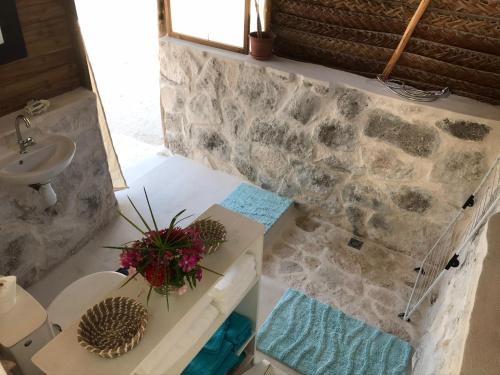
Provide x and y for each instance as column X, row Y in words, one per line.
column 23, row 143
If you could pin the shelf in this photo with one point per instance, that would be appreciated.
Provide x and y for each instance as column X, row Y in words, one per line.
column 186, row 358
column 245, row 344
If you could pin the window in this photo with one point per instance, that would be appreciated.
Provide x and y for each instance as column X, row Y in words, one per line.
column 218, row 23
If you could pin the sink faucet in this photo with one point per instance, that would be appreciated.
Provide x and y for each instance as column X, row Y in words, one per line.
column 23, row 143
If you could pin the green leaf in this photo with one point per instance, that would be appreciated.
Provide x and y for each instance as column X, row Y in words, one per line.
column 150, row 210
column 149, row 294
column 174, row 220
column 193, row 276
column 184, row 218
column 132, row 223
column 138, row 213
column 209, row 270
column 129, row 279
column 116, row 247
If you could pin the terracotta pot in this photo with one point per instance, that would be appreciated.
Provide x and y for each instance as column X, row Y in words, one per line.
column 261, row 48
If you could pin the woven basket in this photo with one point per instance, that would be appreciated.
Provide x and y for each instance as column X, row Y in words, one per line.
column 112, row 327
column 212, row 233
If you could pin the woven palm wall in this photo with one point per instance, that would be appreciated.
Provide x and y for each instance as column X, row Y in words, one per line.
column 456, row 43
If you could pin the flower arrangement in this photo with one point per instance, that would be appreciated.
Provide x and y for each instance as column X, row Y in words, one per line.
column 169, row 259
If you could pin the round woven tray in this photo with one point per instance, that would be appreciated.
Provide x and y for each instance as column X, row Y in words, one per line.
column 112, row 327
column 212, row 233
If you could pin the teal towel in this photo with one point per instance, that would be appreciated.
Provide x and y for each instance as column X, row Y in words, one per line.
column 315, row 339
column 213, row 345
column 209, row 363
column 257, row 204
column 217, row 356
column 238, row 330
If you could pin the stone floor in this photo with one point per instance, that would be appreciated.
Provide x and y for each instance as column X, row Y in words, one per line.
column 372, row 284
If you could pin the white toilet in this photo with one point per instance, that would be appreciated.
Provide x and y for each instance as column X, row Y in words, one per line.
column 28, row 327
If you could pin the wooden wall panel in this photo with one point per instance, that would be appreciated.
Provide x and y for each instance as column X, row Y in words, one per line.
column 55, row 63
column 456, row 43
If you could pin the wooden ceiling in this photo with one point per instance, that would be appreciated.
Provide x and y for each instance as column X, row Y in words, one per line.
column 456, row 43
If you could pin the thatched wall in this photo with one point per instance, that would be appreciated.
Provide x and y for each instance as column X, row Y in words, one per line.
column 456, row 43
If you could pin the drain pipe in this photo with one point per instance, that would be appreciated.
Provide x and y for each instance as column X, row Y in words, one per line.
column 47, row 192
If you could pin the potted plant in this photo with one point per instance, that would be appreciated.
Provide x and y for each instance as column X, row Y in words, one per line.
column 261, row 42
column 168, row 258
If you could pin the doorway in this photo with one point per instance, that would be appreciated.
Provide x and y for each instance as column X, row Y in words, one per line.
column 121, row 39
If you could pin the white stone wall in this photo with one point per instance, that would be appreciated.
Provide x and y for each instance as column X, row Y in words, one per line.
column 386, row 169
column 34, row 239
column 445, row 323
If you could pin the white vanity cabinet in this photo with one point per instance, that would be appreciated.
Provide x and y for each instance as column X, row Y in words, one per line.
column 154, row 354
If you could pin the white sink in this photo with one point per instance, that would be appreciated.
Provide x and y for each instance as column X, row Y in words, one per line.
column 42, row 161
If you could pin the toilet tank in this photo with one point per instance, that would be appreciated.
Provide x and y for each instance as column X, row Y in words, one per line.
column 23, row 331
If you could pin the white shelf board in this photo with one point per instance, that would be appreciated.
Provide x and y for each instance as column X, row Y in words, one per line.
column 184, row 361
column 245, row 344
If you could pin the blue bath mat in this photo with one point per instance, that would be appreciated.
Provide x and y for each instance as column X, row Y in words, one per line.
column 257, row 204
column 315, row 339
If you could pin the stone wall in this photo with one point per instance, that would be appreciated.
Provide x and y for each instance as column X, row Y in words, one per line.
column 34, row 239
column 383, row 168
column 445, row 323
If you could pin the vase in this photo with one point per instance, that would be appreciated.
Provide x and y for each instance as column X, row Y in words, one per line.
column 170, row 289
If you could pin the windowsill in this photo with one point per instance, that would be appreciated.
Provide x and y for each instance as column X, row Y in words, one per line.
column 454, row 103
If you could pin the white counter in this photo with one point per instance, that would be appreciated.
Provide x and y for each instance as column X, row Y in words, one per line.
column 64, row 355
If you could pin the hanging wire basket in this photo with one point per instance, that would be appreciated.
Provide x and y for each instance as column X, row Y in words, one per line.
column 400, row 88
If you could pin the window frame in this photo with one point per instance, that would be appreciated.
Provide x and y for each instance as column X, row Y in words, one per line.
column 210, row 43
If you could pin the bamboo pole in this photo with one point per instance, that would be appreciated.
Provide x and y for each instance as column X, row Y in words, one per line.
column 422, row 7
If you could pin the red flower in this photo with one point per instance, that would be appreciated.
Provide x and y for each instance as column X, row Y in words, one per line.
column 155, row 275
column 167, row 256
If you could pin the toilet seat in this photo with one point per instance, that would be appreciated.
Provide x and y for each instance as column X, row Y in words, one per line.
column 76, row 298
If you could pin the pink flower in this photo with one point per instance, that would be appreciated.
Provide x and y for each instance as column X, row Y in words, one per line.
column 130, row 258
column 187, row 262
column 199, row 274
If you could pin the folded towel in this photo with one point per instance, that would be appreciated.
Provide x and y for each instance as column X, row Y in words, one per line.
column 238, row 330
column 208, row 363
column 231, row 362
column 191, row 335
column 243, row 266
column 213, row 345
column 234, row 283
